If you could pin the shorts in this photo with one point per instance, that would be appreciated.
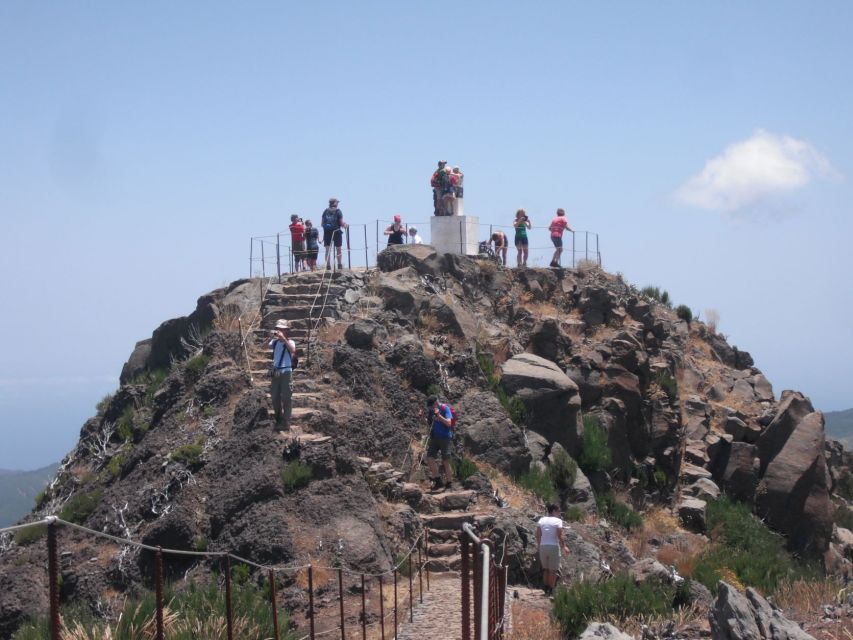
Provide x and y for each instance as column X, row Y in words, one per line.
column 558, row 241
column 549, row 557
column 311, row 254
column 328, row 236
column 436, row 445
column 298, row 249
column 521, row 242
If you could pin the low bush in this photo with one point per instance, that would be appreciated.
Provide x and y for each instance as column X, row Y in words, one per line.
column 745, row 547
column 616, row 599
column 194, row 367
column 465, row 468
column 843, row 517
column 657, row 294
column 684, row 313
column 296, row 475
column 668, row 384
column 620, row 513
column 188, row 454
column 563, row 471
column 103, row 403
column 80, row 506
column 595, row 451
column 844, row 488
column 29, row 535
column 113, row 467
column 153, row 381
column 539, row 483
column 41, row 497
column 574, row 514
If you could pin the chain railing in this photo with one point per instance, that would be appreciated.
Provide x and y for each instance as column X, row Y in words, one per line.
column 317, row 626
column 273, row 255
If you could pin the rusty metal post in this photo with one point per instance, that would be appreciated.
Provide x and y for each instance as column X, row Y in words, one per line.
column 311, row 598
column 464, row 543
column 158, row 591
column 263, row 261
column 274, row 605
column 420, row 572
column 229, row 613
column 349, row 254
column 366, row 254
column 395, row 603
column 53, row 578
column 573, row 249
column 478, row 605
column 504, row 577
column 411, row 592
column 381, row 610
column 426, row 555
column 251, row 255
column 363, row 609
column 278, row 257
column 341, row 601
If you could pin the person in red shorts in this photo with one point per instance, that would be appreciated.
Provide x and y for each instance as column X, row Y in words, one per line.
column 557, row 226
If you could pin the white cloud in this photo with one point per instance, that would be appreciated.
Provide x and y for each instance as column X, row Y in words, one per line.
column 745, row 173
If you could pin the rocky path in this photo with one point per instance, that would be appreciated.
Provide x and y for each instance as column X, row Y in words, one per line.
column 440, row 615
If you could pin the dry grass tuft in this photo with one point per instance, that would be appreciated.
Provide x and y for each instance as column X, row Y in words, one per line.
column 683, row 555
column 803, row 597
column 321, row 576
column 332, row 332
column 228, row 320
column 532, row 624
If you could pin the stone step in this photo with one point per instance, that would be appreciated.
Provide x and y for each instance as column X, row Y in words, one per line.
column 300, row 312
column 449, row 500
column 300, row 292
column 300, row 413
column 442, row 565
column 448, row 519
column 442, row 550
column 440, row 536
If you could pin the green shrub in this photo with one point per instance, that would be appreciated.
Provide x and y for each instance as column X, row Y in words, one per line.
column 29, row 535
column 745, row 546
column 154, row 380
column 539, row 483
column 563, row 471
column 843, row 517
column 124, row 425
column 208, row 411
column 618, row 512
column 684, row 313
column 296, row 475
column 241, row 572
column 103, row 403
column 80, row 506
column 465, row 468
column 194, row 367
column 434, row 390
column 188, row 454
column 574, row 514
column 514, row 405
column 668, row 384
column 201, row 543
column 595, row 451
column 845, row 487
column 703, row 330
column 41, row 497
column 114, row 465
column 618, row 599
column 656, row 294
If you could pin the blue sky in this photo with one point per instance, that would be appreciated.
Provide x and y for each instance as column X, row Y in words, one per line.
column 143, row 144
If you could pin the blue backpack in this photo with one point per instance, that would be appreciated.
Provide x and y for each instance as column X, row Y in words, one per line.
column 330, row 219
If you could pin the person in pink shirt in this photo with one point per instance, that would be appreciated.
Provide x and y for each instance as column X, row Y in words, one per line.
column 557, row 226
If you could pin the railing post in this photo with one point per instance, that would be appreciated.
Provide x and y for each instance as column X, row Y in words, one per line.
column 426, row 555
column 411, row 592
column 420, row 572
column 263, row 262
column 349, row 255
column 366, row 254
column 158, row 591
column 229, row 614
column 278, row 256
column 363, row 609
column 586, row 245
column 478, row 603
column 251, row 256
column 381, row 610
column 341, row 601
column 377, row 241
column 597, row 250
column 273, row 605
column 573, row 249
column 311, row 598
column 53, row 578
column 395, row 603
column 464, row 543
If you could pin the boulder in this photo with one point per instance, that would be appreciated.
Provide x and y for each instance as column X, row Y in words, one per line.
column 763, row 388
column 552, row 399
column 648, row 569
column 792, row 408
column 738, row 473
column 137, row 362
column 771, row 623
column 731, row 616
column 548, row 341
column 489, row 434
column 398, row 291
column 692, row 513
column 603, row 631
column 361, row 333
column 704, row 489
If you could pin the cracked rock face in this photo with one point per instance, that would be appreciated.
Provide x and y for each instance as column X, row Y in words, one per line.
column 737, row 616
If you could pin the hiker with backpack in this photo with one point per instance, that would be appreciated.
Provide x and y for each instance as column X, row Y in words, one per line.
column 297, row 241
column 332, row 221
column 312, row 244
column 442, row 418
column 284, row 360
column 557, row 226
column 396, row 232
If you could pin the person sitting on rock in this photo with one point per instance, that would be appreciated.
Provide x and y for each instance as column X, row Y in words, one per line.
column 396, row 232
column 501, row 244
column 414, row 238
column 440, row 416
column 549, row 539
column 284, row 349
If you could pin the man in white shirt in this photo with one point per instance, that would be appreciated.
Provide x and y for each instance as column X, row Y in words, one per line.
column 549, row 538
column 414, row 238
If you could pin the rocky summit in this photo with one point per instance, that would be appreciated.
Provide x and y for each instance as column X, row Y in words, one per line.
column 185, row 454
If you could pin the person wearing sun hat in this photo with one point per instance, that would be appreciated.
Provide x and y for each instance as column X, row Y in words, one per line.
column 396, row 233
column 283, row 352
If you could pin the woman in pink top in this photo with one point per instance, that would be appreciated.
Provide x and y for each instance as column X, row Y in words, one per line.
column 557, row 226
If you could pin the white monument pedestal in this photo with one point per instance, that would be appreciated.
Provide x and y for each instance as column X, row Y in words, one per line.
column 456, row 234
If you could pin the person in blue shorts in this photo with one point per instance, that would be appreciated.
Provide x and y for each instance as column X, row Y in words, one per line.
column 440, row 438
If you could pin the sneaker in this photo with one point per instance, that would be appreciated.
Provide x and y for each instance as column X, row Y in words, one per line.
column 436, row 484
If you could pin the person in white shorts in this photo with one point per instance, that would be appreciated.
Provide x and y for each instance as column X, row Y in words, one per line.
column 549, row 538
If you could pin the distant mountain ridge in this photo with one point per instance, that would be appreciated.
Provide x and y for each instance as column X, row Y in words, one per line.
column 839, row 425
column 18, row 491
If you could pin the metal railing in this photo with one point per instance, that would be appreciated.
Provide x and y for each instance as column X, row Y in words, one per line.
column 487, row 579
column 317, row 626
column 273, row 255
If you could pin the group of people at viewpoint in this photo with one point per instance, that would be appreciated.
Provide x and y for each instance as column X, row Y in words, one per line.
column 305, row 238
column 521, row 225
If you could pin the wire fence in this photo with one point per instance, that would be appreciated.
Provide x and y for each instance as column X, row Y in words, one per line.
column 405, row 581
column 274, row 255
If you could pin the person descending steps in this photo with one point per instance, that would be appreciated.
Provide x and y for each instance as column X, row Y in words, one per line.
column 284, row 361
column 443, row 420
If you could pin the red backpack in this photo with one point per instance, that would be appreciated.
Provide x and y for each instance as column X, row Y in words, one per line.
column 453, row 416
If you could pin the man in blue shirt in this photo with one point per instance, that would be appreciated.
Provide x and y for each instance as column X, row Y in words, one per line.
column 440, row 437
column 282, row 374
